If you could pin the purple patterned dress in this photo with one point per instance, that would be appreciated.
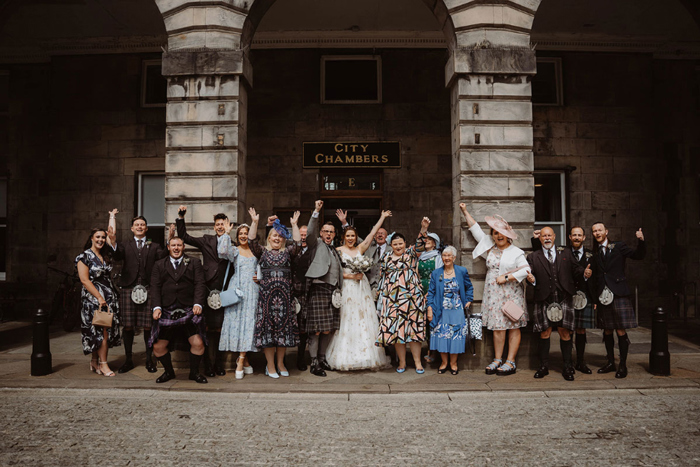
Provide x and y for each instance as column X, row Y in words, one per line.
column 275, row 318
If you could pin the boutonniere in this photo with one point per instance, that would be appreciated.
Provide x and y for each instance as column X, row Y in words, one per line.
column 148, row 243
column 560, row 249
column 589, row 255
column 611, row 246
column 186, row 261
column 440, row 277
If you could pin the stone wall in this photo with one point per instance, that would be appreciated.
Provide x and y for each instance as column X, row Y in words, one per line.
column 285, row 111
column 627, row 131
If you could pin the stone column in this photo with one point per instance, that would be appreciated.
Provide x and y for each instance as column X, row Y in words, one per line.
column 491, row 144
column 206, row 111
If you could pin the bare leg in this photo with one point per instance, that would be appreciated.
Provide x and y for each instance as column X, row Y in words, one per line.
column 401, row 354
column 270, row 357
column 499, row 341
column 241, row 361
column 281, row 351
column 415, row 351
column 513, row 344
column 102, row 353
column 453, row 361
column 444, row 357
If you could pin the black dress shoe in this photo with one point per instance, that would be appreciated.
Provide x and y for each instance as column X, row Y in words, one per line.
column 151, row 366
column 323, row 364
column 219, row 370
column 165, row 377
column 198, row 378
column 608, row 368
column 316, row 368
column 301, row 365
column 126, row 367
column 583, row 369
column 621, row 372
column 542, row 372
column 568, row 374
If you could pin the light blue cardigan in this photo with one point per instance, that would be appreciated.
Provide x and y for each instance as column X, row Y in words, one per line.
column 436, row 290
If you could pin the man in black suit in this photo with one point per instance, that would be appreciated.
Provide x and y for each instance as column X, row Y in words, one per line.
column 612, row 295
column 554, row 274
column 214, row 271
column 585, row 317
column 178, row 290
column 138, row 255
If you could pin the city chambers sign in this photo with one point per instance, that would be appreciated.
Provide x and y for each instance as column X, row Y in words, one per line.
column 353, row 155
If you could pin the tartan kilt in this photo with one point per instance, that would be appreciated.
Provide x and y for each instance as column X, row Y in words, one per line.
column 585, row 319
column 618, row 315
column 321, row 316
column 541, row 323
column 299, row 289
column 134, row 315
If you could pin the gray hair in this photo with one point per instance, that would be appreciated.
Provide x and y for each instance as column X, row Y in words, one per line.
column 450, row 250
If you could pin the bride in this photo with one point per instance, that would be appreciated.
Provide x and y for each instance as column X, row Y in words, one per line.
column 352, row 346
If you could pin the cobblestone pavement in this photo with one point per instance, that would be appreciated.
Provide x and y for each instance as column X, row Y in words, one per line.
column 144, row 427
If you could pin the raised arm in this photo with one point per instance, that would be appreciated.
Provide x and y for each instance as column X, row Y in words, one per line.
column 196, row 242
column 368, row 241
column 225, row 248
column 467, row 216
column 112, row 235
column 254, row 219
column 296, row 235
column 313, row 227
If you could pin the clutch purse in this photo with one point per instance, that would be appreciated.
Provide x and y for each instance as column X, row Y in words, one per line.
column 102, row 318
column 512, row 311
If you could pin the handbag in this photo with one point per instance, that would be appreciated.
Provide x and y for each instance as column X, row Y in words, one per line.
column 512, row 310
column 474, row 329
column 103, row 318
column 231, row 295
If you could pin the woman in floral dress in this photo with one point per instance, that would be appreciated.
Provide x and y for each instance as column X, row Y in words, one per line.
column 506, row 269
column 429, row 261
column 402, row 301
column 94, row 269
column 275, row 320
column 238, row 329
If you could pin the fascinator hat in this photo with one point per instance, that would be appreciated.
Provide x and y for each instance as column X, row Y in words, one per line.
column 281, row 229
column 436, row 239
column 500, row 225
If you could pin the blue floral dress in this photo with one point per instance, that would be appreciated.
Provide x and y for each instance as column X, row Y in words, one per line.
column 100, row 276
column 238, row 329
column 450, row 334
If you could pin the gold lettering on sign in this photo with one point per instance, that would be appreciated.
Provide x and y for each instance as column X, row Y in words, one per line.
column 338, row 146
column 319, row 158
column 385, row 158
column 351, row 182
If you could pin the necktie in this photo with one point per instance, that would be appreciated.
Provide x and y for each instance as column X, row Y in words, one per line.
column 578, row 254
column 550, row 257
column 176, row 264
column 602, row 250
column 139, row 244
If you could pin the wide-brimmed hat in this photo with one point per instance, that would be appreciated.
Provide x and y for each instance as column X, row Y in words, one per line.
column 500, row 225
column 436, row 238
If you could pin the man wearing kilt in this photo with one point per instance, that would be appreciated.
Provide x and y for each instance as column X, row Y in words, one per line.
column 585, row 317
column 178, row 288
column 214, row 271
column 612, row 295
column 554, row 274
column 138, row 256
column 325, row 274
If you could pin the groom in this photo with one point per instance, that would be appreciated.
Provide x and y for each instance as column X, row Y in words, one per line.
column 326, row 275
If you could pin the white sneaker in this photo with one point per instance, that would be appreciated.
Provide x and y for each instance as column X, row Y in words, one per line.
column 239, row 374
column 248, row 370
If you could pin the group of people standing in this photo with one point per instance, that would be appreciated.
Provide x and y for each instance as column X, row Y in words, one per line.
column 349, row 303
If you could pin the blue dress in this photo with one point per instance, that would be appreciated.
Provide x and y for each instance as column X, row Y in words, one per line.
column 450, row 334
column 238, row 327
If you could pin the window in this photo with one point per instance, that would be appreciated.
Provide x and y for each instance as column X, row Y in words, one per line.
column 351, row 79
column 550, row 203
column 547, row 88
column 151, row 203
column 3, row 229
column 154, row 86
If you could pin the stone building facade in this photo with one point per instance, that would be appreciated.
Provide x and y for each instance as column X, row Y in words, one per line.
column 243, row 86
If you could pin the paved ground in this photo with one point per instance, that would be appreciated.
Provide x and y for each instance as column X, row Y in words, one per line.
column 145, row 427
column 71, row 371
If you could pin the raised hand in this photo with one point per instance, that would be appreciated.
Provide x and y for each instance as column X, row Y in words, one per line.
column 536, row 234
column 463, row 207
column 639, row 234
column 425, row 223
column 111, row 236
column 254, row 216
column 113, row 212
column 587, row 273
column 318, row 205
column 171, row 232
column 295, row 218
column 271, row 220
column 342, row 216
column 181, row 211
column 386, row 214
column 228, row 226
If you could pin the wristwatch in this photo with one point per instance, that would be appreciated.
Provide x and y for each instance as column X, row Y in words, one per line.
column 506, row 277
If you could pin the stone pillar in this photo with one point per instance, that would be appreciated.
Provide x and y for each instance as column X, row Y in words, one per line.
column 491, row 144
column 206, row 111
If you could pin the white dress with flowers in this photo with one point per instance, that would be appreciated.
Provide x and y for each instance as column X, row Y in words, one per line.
column 352, row 345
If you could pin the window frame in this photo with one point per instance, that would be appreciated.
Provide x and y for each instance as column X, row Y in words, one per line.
column 139, row 197
column 558, row 79
column 376, row 58
column 144, row 79
column 563, row 176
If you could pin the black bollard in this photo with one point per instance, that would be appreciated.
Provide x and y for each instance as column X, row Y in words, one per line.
column 659, row 358
column 41, row 354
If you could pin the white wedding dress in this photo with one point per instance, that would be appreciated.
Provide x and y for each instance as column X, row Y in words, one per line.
column 352, row 346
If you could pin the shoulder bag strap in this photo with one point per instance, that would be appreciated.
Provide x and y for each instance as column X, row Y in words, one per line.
column 225, row 285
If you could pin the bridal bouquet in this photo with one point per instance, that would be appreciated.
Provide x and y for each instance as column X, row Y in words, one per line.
column 359, row 264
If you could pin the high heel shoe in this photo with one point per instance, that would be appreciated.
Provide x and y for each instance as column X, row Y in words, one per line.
column 284, row 373
column 93, row 368
column 105, row 373
column 239, row 374
column 271, row 375
column 442, row 371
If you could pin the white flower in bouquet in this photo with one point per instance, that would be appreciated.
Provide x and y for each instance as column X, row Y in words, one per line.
column 359, row 264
